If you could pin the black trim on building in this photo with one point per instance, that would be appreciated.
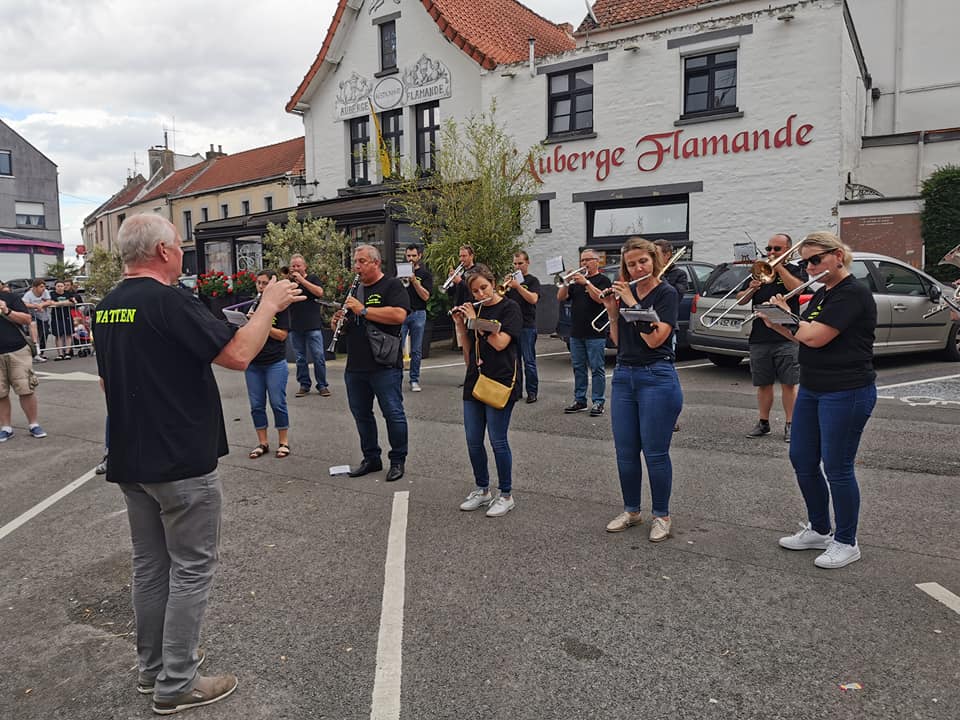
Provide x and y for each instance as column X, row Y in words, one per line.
column 571, row 64
column 639, row 192
column 709, row 36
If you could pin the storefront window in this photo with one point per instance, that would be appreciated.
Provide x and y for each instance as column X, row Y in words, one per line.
column 249, row 254
column 15, row 266
column 218, row 256
column 644, row 220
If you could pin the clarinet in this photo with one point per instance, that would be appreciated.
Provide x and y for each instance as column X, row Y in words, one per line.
column 343, row 309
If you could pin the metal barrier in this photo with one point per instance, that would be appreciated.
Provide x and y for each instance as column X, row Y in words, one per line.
column 72, row 322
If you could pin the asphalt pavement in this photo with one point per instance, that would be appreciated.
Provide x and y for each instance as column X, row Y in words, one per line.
column 540, row 614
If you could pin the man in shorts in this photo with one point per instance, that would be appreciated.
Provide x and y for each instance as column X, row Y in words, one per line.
column 16, row 367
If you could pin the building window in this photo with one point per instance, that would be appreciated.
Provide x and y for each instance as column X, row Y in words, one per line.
column 245, row 207
column 359, row 148
column 428, row 127
column 204, row 214
column 544, row 215
column 120, row 218
column 30, row 215
column 388, row 45
column 571, row 102
column 391, row 128
column 268, row 203
column 225, row 210
column 611, row 222
column 710, row 83
column 6, row 163
column 187, row 225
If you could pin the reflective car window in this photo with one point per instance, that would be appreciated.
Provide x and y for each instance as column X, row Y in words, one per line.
column 898, row 280
column 862, row 274
column 724, row 279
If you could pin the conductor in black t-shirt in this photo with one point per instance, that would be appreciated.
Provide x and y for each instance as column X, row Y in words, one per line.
column 526, row 294
column 375, row 361
column 773, row 358
column 155, row 344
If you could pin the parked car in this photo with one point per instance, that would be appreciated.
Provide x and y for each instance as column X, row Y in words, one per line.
column 902, row 293
column 697, row 273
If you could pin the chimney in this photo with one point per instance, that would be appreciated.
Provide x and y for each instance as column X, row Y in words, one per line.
column 567, row 28
column 161, row 160
column 218, row 153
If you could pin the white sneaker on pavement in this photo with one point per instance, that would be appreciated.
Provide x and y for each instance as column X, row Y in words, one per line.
column 838, row 555
column 806, row 539
column 501, row 506
column 477, row 499
column 415, row 387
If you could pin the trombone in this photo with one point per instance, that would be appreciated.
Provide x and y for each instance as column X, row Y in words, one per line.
column 564, row 280
column 793, row 293
column 449, row 282
column 609, row 291
column 762, row 271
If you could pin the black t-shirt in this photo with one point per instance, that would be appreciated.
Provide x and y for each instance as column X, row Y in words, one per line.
column 386, row 292
column 275, row 350
column 426, row 279
column 11, row 336
column 677, row 278
column 307, row 315
column 60, row 315
column 500, row 365
column 583, row 309
column 632, row 348
column 529, row 310
column 760, row 333
column 846, row 362
column 155, row 344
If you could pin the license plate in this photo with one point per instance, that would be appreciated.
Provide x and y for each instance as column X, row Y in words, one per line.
column 728, row 323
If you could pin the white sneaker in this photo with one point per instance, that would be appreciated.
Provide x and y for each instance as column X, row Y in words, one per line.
column 806, row 539
column 501, row 506
column 476, row 500
column 838, row 555
column 415, row 387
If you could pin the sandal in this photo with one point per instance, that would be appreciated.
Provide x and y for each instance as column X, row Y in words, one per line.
column 259, row 451
column 283, row 450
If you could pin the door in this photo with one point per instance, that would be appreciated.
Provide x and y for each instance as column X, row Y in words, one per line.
column 907, row 294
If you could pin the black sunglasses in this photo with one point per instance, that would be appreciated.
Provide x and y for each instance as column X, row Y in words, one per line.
column 814, row 260
column 778, row 249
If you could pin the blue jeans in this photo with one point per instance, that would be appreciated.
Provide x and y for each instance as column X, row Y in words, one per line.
column 414, row 325
column 477, row 419
column 312, row 339
column 827, row 427
column 528, row 351
column 264, row 380
column 645, row 404
column 384, row 385
column 584, row 353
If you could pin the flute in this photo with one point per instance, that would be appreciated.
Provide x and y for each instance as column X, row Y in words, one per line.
column 476, row 304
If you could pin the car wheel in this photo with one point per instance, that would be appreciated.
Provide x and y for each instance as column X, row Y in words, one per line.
column 724, row 361
column 952, row 351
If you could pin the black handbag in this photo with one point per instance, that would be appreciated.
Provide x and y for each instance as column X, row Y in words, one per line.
column 385, row 347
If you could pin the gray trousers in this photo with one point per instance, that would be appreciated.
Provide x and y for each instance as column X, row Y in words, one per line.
column 175, row 528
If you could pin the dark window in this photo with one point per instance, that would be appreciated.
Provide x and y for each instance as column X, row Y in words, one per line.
column 225, row 210
column 204, row 214
column 428, row 126
column 6, row 163
column 391, row 128
column 30, row 215
column 710, row 83
column 187, row 225
column 388, row 45
column 268, row 203
column 544, row 214
column 245, row 207
column 359, row 148
column 898, row 280
column 120, row 218
column 571, row 102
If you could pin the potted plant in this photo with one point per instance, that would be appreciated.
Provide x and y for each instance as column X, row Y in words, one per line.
column 214, row 290
column 244, row 284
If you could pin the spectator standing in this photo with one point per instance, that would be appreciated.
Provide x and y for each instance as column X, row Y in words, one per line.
column 61, row 320
column 306, row 329
column 38, row 302
column 419, row 287
column 16, row 367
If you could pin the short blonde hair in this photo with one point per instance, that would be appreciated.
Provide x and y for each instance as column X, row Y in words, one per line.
column 826, row 241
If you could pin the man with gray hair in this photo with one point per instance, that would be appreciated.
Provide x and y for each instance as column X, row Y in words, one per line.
column 306, row 329
column 155, row 344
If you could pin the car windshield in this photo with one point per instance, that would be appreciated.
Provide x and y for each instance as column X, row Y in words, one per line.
column 724, row 279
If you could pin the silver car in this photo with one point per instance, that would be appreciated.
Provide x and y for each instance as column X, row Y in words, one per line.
column 902, row 293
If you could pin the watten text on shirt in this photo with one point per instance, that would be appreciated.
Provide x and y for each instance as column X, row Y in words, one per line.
column 117, row 315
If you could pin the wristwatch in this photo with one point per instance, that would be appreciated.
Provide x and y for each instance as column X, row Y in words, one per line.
column 363, row 313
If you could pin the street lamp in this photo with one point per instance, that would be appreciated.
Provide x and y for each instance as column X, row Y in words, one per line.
column 301, row 188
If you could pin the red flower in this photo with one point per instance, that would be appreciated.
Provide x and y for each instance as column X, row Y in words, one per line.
column 215, row 293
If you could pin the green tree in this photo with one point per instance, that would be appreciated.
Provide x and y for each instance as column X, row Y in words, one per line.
column 325, row 249
column 480, row 194
column 62, row 271
column 940, row 220
column 104, row 271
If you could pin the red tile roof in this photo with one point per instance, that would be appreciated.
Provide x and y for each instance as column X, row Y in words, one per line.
column 119, row 199
column 176, row 181
column 488, row 31
column 262, row 163
column 618, row 12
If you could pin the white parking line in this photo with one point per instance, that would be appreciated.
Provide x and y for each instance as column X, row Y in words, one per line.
column 386, row 684
column 917, row 382
column 940, row 593
column 44, row 504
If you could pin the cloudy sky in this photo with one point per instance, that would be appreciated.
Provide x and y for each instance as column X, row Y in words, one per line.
column 93, row 83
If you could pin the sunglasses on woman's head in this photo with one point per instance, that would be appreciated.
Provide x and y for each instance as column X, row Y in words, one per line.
column 814, row 260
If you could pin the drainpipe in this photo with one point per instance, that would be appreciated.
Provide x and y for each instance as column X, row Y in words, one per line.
column 533, row 68
column 898, row 67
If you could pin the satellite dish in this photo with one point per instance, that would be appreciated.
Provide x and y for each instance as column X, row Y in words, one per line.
column 590, row 12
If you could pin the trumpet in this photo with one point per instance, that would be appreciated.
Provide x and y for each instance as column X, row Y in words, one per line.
column 564, row 280
column 458, row 270
column 343, row 310
column 476, row 304
column 793, row 293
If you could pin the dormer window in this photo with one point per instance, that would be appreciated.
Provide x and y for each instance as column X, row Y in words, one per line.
column 388, row 46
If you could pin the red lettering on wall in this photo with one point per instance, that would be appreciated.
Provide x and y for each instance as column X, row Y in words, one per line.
column 572, row 161
column 559, row 159
column 617, row 158
column 802, row 132
column 784, row 136
column 656, row 154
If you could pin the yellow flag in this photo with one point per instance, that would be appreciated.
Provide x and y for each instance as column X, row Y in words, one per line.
column 382, row 151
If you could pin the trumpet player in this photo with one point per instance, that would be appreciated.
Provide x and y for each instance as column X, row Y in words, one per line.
column 459, row 293
column 774, row 358
column 526, row 294
column 419, row 286
column 586, row 344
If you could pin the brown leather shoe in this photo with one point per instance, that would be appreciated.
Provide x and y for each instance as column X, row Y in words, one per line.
column 206, row 690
